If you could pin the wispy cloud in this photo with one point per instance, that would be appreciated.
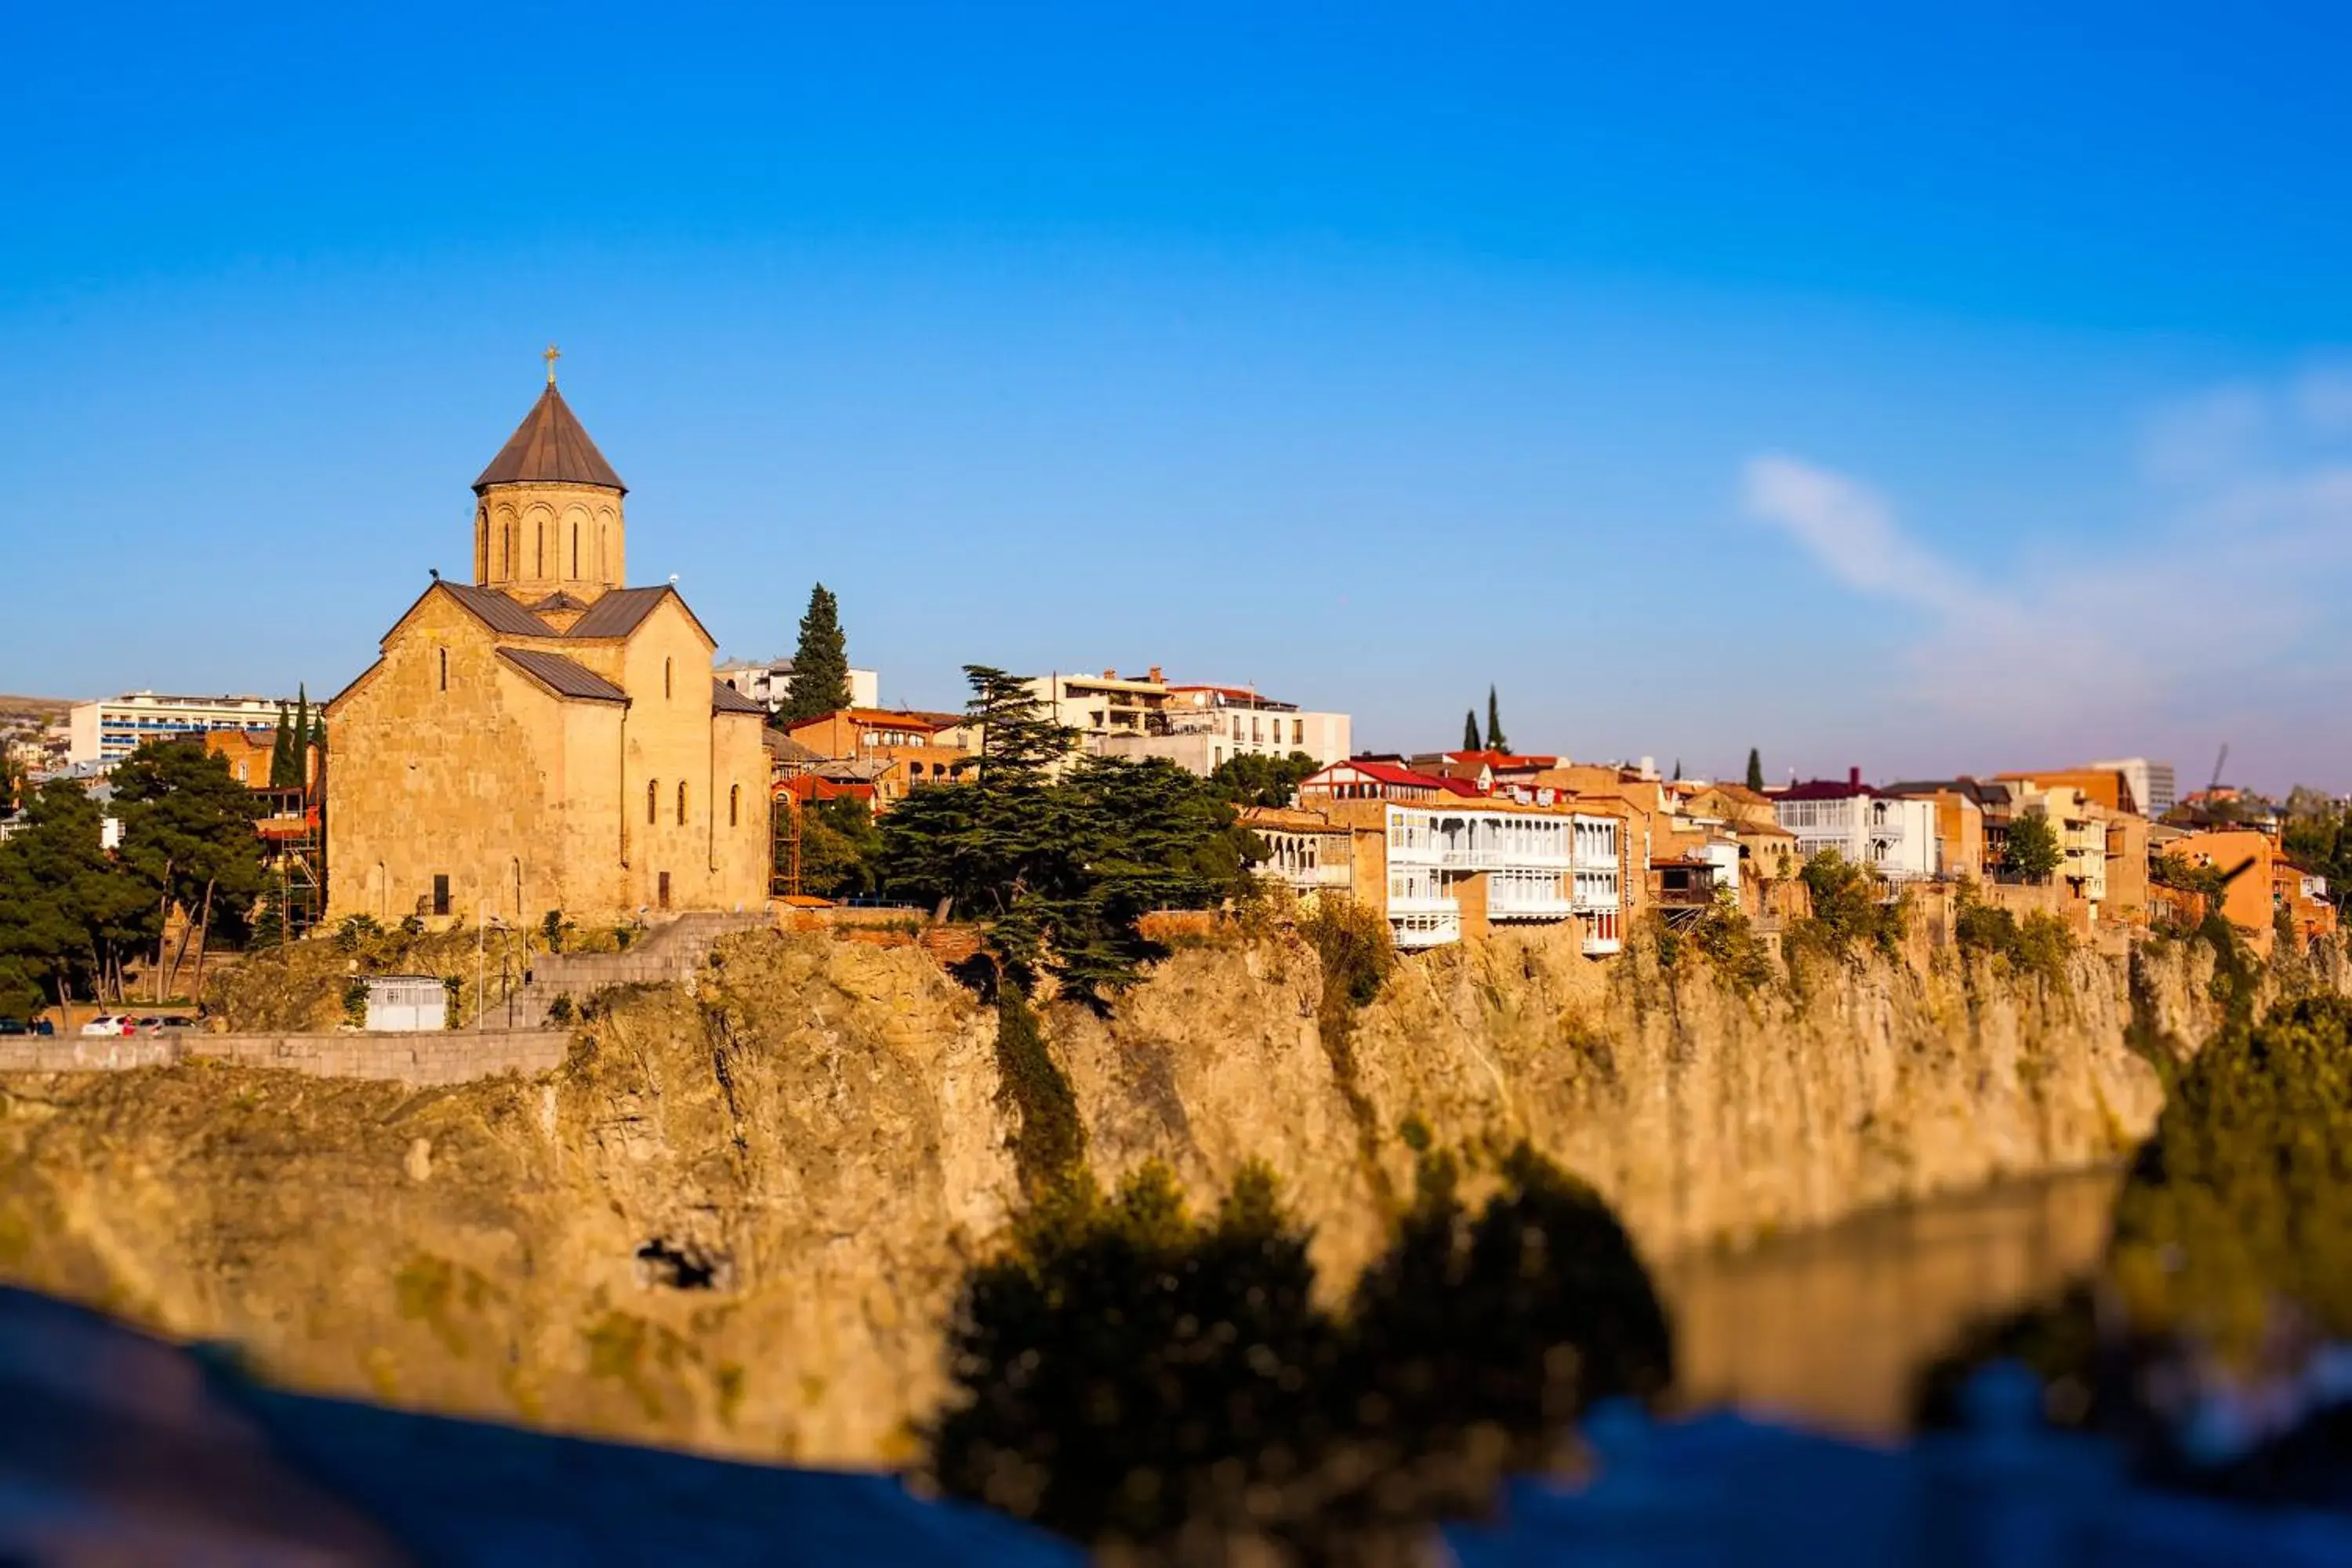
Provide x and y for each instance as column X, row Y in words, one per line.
column 2195, row 621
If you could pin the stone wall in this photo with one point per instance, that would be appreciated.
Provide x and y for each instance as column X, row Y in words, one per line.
column 442, row 1057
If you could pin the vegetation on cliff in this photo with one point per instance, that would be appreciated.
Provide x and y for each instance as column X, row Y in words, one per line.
column 1163, row 1385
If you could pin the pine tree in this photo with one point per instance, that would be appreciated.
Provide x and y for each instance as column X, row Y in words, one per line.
column 281, row 754
column 1495, row 742
column 1755, row 769
column 1470, row 742
column 820, row 664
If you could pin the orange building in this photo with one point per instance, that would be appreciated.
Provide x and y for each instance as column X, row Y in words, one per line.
column 2264, row 884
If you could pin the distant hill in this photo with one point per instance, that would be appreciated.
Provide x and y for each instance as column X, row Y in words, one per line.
column 42, row 708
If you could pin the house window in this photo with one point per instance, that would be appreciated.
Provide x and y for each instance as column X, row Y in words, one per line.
column 734, row 804
column 681, row 803
column 444, row 669
column 440, row 894
column 653, row 801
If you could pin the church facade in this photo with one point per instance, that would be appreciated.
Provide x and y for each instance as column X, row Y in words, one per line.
column 545, row 737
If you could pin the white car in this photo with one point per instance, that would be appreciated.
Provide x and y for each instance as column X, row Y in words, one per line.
column 104, row 1024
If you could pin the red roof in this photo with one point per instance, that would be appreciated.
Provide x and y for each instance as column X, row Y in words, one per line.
column 807, row 788
column 1823, row 789
column 1461, row 786
column 1390, row 774
column 1512, row 761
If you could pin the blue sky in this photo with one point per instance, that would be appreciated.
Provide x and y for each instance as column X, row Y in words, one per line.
column 1924, row 394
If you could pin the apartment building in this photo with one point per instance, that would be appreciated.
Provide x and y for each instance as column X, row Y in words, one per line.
column 1198, row 727
column 768, row 682
column 2152, row 784
column 1894, row 836
column 111, row 729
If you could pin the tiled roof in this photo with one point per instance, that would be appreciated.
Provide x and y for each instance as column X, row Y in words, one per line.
column 549, row 446
column 563, row 675
column 784, row 749
column 617, row 614
column 497, row 612
column 725, row 698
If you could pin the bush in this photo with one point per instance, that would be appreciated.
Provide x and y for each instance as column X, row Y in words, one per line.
column 1727, row 937
column 1851, row 908
column 2243, row 1199
column 357, row 931
column 2038, row 945
column 355, row 1002
column 1352, row 944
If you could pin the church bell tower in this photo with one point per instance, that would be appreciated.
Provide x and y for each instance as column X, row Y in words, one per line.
column 547, row 527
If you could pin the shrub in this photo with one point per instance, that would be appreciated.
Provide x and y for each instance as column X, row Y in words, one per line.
column 1850, row 906
column 2038, row 945
column 1352, row 944
column 555, row 931
column 355, row 933
column 1050, row 1141
column 1727, row 937
column 355, row 1001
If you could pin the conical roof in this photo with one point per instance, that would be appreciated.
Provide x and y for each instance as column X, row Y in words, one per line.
column 549, row 447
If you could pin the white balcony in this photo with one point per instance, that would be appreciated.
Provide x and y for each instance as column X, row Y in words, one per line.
column 1601, row 946
column 1530, row 908
column 1416, row 921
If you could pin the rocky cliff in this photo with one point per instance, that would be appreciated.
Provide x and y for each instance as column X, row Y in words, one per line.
column 735, row 1217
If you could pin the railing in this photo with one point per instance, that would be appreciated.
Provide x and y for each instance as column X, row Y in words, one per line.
column 1599, row 946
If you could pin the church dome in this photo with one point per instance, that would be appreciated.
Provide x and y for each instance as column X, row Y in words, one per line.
column 549, row 446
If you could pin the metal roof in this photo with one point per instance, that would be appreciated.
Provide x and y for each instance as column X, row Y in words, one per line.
column 617, row 614
column 725, row 698
column 549, row 446
column 564, row 677
column 498, row 611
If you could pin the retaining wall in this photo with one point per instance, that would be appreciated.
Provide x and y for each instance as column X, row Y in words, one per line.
column 440, row 1057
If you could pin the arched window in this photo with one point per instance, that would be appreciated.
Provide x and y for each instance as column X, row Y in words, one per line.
column 444, row 669
column 666, row 663
column 539, row 548
column 653, row 800
column 734, row 804
column 681, row 803
column 576, row 550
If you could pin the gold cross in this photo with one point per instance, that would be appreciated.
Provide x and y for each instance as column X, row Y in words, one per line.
column 551, row 356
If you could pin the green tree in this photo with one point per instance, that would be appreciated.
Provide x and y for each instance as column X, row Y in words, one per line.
column 1470, row 742
column 2033, row 852
column 75, row 916
column 1495, row 742
column 302, row 723
column 839, row 845
column 1252, row 779
column 283, row 768
column 1058, row 862
column 2318, row 836
column 820, row 663
column 1755, row 769
column 1127, row 1374
column 187, row 834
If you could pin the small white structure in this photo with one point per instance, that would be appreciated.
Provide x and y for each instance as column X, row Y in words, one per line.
column 407, row 1002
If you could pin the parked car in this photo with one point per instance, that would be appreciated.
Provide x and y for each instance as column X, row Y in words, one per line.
column 15, row 1026
column 159, row 1022
column 106, row 1023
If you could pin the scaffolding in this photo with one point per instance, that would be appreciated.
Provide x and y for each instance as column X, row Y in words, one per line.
column 785, row 837
column 292, row 825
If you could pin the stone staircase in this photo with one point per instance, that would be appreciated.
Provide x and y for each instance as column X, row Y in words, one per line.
column 667, row 954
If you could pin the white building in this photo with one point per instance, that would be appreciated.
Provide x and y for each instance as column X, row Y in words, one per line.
column 1893, row 836
column 1539, row 867
column 768, row 682
column 1199, row 728
column 2151, row 785
column 109, row 730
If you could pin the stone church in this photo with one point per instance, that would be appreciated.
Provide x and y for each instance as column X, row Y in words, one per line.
column 545, row 737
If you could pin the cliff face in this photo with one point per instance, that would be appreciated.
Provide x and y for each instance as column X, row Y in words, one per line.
column 736, row 1218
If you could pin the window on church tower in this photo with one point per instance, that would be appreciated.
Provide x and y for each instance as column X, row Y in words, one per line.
column 444, row 669
column 576, row 550
column 734, row 804
column 666, row 663
column 681, row 803
column 653, row 801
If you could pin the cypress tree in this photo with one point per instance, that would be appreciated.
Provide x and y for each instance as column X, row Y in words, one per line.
column 1470, row 742
column 1755, row 769
column 281, row 754
column 1679, row 770
column 820, row 664
column 1495, row 742
column 301, row 746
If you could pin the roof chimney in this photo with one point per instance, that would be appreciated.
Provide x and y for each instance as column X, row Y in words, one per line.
column 1157, row 678
column 1853, row 777
column 1110, row 675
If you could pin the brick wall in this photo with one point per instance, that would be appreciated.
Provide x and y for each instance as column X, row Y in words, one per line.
column 442, row 1057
